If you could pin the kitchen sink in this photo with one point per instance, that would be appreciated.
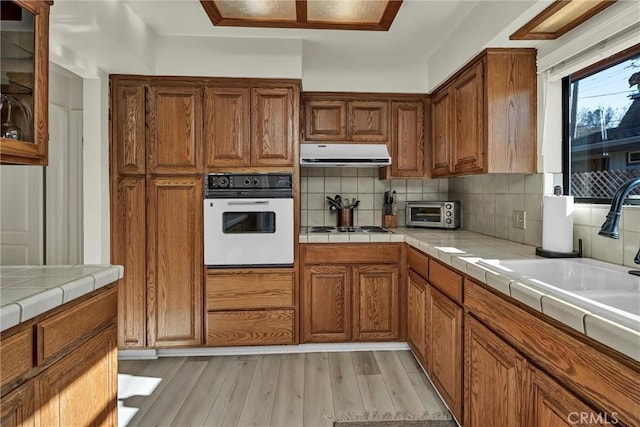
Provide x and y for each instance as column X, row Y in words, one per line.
column 595, row 286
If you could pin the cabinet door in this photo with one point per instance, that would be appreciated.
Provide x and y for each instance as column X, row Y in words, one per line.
column 416, row 315
column 17, row 409
column 174, row 262
column 493, row 379
column 175, row 129
column 272, row 130
column 128, row 248
column 326, row 304
column 128, row 127
column 376, row 307
column 445, row 348
column 82, row 388
column 468, row 121
column 441, row 133
column 368, row 121
column 551, row 405
column 407, row 139
column 325, row 120
column 226, row 127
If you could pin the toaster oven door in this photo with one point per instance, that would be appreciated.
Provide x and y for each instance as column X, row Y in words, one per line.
column 426, row 216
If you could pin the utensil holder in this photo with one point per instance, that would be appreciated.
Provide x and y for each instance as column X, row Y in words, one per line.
column 345, row 217
column 389, row 221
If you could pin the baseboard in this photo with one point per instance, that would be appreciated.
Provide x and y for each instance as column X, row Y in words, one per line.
column 270, row 349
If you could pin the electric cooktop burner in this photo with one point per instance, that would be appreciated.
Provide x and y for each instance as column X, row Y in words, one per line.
column 363, row 229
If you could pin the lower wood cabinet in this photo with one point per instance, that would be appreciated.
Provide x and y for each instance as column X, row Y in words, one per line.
column 17, row 407
column 417, row 315
column 493, row 379
column 345, row 299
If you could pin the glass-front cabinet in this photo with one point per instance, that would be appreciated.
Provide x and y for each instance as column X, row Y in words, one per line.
column 24, row 81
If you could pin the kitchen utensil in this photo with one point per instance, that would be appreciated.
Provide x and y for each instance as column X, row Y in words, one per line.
column 338, row 200
column 333, row 205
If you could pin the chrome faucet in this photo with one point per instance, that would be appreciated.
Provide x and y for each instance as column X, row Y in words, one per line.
column 610, row 226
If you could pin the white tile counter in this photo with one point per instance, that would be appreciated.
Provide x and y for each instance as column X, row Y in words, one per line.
column 27, row 291
column 462, row 250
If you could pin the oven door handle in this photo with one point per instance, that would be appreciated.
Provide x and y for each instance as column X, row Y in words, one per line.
column 260, row 202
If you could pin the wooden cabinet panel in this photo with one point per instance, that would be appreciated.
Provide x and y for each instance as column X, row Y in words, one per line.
column 128, row 248
column 418, row 262
column 226, row 127
column 128, row 129
column 19, row 349
column 264, row 327
column 369, row 121
column 551, row 405
column 81, row 389
column 407, row 139
column 416, row 316
column 326, row 304
column 175, row 129
column 446, row 280
column 441, row 121
column 376, row 306
column 494, row 379
column 272, row 126
column 325, row 120
column 352, row 253
column 445, row 347
column 64, row 330
column 249, row 290
column 468, row 121
column 17, row 409
column 174, row 262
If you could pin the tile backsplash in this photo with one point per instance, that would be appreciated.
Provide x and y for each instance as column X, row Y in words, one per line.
column 364, row 185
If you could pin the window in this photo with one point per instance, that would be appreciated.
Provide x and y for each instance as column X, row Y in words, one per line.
column 601, row 109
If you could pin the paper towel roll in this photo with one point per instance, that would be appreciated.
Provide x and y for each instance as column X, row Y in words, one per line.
column 557, row 223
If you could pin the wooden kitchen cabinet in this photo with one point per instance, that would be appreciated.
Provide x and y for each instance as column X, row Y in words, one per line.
column 175, row 129
column 376, row 307
column 483, row 119
column 350, row 292
column 325, row 120
column 17, row 409
column 494, row 379
column 445, row 324
column 368, row 121
column 24, row 65
column 128, row 248
column 226, row 126
column 417, row 297
column 326, row 304
column 174, row 262
column 407, row 139
column 272, row 126
column 128, row 129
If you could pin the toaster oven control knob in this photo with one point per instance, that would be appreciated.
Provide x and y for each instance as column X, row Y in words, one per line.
column 448, row 213
column 448, row 206
column 223, row 182
column 448, row 220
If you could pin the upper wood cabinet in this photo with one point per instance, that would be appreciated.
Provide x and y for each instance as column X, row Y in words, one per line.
column 226, row 126
column 483, row 119
column 272, row 126
column 325, row 120
column 24, row 66
column 128, row 129
column 369, row 121
column 175, row 129
column 407, row 139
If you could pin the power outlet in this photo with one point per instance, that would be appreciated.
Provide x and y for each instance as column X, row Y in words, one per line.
column 520, row 219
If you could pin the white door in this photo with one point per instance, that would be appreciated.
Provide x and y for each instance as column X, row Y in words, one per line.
column 21, row 215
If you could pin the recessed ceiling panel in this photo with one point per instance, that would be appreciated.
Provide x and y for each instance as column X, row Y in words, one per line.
column 258, row 9
column 346, row 10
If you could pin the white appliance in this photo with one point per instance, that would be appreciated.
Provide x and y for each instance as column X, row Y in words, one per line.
column 344, row 155
column 248, row 220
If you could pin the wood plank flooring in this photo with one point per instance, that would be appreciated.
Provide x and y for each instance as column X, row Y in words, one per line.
column 288, row 390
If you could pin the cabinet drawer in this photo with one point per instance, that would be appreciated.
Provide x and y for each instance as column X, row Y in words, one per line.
column 17, row 348
column 61, row 331
column 249, row 290
column 446, row 280
column 418, row 262
column 351, row 253
column 227, row 328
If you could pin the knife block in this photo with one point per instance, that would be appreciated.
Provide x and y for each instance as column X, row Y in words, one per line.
column 389, row 221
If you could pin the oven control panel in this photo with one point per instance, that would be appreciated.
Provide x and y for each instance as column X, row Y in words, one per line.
column 243, row 184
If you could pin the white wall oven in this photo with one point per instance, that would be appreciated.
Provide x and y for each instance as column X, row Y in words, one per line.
column 248, row 220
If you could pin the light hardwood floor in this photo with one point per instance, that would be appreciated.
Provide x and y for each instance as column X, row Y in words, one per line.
column 278, row 390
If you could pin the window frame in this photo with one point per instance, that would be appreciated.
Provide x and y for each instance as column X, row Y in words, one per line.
column 566, row 143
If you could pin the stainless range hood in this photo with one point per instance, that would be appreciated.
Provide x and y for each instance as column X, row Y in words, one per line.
column 344, row 155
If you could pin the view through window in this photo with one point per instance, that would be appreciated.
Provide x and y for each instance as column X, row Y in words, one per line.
column 602, row 128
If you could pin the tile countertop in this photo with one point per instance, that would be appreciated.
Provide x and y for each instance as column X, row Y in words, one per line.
column 28, row 290
column 462, row 250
